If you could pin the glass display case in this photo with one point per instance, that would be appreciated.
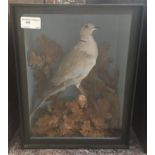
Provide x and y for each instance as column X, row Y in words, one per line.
column 76, row 73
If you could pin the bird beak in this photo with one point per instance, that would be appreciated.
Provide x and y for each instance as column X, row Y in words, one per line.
column 96, row 28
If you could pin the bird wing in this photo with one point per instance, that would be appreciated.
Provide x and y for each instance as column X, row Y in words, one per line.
column 73, row 66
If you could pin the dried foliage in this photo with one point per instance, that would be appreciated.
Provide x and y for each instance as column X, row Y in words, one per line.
column 50, row 49
column 34, row 58
column 86, row 128
column 82, row 100
column 92, row 114
column 70, row 119
column 41, row 60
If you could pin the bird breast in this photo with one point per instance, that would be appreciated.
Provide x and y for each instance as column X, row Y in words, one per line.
column 90, row 49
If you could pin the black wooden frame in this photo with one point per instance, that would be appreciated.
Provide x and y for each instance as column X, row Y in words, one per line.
column 76, row 142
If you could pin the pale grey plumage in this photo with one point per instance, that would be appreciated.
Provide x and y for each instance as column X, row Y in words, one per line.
column 77, row 64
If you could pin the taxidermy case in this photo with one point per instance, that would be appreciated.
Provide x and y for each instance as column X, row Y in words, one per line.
column 76, row 70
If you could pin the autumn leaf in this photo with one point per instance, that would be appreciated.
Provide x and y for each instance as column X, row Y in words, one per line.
column 98, row 122
column 73, row 107
column 82, row 100
column 67, row 126
column 50, row 49
column 86, row 128
column 33, row 58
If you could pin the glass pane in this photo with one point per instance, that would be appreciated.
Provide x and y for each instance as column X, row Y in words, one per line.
column 76, row 69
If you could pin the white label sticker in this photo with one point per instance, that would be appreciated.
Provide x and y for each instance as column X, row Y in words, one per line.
column 30, row 22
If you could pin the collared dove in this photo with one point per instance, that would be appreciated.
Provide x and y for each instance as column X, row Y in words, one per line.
column 77, row 64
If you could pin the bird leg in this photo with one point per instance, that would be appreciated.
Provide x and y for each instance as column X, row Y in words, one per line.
column 82, row 91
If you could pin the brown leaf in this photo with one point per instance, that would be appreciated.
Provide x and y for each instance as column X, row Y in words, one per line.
column 82, row 100
column 50, row 49
column 43, row 122
column 68, row 125
column 54, row 121
column 86, row 128
column 46, row 123
column 42, row 126
column 74, row 107
column 33, row 58
column 98, row 122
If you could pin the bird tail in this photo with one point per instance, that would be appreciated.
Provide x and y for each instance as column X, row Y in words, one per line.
column 47, row 95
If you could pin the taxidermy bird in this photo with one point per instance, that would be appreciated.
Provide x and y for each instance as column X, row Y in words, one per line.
column 76, row 65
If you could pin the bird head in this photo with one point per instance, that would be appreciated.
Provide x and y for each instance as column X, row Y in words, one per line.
column 87, row 29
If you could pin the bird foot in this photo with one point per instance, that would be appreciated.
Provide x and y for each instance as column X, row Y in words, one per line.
column 83, row 91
